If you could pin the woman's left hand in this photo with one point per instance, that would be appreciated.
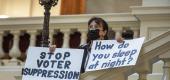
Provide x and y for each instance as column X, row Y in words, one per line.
column 119, row 39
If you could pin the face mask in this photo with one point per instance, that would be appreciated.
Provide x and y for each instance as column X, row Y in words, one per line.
column 93, row 34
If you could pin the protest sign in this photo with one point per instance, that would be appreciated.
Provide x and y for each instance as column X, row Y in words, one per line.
column 63, row 64
column 109, row 53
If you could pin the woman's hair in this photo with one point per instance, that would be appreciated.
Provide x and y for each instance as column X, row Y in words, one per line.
column 99, row 21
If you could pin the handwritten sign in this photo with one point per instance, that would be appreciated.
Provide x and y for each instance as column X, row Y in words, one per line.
column 63, row 64
column 109, row 54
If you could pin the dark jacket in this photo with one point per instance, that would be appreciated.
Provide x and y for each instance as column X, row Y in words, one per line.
column 86, row 52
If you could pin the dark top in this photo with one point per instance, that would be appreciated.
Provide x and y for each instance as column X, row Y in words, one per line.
column 86, row 52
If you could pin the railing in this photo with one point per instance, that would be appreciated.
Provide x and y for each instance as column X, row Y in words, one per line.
column 12, row 59
column 153, row 50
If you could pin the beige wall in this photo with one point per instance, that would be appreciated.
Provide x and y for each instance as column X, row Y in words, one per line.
column 111, row 6
column 2, row 7
column 24, row 8
column 18, row 8
column 156, row 3
column 152, row 29
column 38, row 10
column 27, row 8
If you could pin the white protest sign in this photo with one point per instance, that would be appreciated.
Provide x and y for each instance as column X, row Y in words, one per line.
column 64, row 64
column 109, row 53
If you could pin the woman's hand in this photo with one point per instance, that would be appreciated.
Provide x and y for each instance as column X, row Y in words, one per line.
column 119, row 39
column 52, row 48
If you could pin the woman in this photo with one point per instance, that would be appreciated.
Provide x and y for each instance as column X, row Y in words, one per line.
column 97, row 30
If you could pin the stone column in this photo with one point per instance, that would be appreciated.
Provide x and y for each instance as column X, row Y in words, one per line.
column 155, row 2
column 14, row 53
column 83, row 36
column 51, row 36
column 66, row 38
column 118, row 32
column 136, row 33
column 15, row 49
column 1, row 51
column 166, row 58
column 32, row 37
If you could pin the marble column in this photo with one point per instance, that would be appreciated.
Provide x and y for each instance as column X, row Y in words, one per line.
column 66, row 38
column 166, row 68
column 155, row 2
column 1, row 51
column 136, row 33
column 14, row 53
column 83, row 36
column 32, row 37
column 118, row 33
column 51, row 37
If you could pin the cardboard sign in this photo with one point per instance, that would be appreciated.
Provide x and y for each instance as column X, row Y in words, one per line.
column 63, row 64
column 109, row 54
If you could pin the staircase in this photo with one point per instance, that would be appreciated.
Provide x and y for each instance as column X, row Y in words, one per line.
column 150, row 54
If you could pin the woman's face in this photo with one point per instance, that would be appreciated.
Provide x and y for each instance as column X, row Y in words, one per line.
column 93, row 25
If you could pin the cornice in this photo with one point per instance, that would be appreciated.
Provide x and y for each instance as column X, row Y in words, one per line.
column 110, row 17
column 151, row 12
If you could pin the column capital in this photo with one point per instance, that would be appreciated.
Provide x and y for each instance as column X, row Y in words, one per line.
column 51, row 31
column 65, row 30
column 15, row 31
column 117, row 28
column 32, row 31
column 83, row 30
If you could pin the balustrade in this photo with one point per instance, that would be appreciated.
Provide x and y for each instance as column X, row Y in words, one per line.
column 15, row 52
column 64, row 27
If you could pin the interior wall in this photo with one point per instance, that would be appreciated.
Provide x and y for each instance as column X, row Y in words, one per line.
column 111, row 6
column 31, row 8
column 25, row 8
column 38, row 10
column 17, row 8
column 2, row 7
column 156, row 3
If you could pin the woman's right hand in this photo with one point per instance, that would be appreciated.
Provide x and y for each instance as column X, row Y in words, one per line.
column 52, row 48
